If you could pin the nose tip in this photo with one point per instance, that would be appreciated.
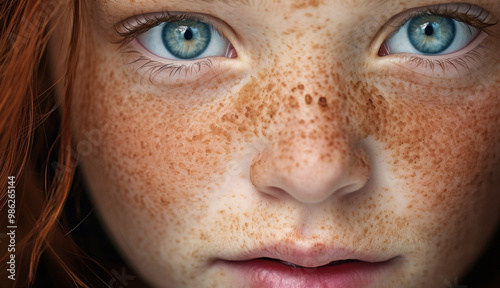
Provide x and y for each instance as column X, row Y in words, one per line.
column 310, row 178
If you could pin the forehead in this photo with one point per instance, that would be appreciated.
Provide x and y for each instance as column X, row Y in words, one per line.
column 382, row 9
column 296, row 4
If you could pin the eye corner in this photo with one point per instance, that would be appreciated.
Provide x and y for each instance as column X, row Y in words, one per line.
column 383, row 51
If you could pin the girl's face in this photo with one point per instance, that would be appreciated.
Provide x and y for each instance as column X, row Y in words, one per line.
column 238, row 132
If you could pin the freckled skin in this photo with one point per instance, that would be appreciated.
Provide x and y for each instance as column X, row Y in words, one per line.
column 304, row 138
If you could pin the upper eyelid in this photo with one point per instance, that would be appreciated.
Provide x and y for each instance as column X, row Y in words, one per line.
column 158, row 17
column 397, row 21
column 480, row 19
column 131, row 27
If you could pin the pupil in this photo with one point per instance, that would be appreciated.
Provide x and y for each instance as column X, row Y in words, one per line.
column 188, row 35
column 429, row 30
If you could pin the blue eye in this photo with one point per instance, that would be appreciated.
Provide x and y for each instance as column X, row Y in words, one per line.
column 430, row 35
column 184, row 40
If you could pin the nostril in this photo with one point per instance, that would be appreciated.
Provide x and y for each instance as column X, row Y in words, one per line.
column 350, row 189
column 274, row 192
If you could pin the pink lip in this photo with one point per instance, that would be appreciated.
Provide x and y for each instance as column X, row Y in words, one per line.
column 314, row 268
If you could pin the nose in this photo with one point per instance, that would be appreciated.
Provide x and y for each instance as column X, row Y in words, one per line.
column 311, row 159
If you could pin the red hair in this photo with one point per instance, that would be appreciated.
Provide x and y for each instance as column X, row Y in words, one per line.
column 27, row 102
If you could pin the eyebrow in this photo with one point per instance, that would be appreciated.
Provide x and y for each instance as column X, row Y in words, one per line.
column 246, row 2
column 311, row 2
column 260, row 2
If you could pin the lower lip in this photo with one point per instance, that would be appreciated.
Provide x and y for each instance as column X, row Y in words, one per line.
column 263, row 273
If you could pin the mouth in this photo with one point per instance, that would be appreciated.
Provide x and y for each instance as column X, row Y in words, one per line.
column 333, row 263
column 312, row 270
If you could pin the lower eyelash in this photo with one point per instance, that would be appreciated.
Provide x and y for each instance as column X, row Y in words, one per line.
column 468, row 61
column 152, row 68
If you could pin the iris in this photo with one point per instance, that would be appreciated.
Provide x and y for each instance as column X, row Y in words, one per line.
column 431, row 34
column 186, row 39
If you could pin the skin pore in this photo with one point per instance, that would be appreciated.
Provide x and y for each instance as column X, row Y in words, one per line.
column 306, row 137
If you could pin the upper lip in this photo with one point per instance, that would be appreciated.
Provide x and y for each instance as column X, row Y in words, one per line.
column 309, row 256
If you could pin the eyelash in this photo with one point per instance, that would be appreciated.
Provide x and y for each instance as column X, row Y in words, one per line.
column 478, row 19
column 127, row 32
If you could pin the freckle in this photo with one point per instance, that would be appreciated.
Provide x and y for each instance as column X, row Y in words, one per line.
column 308, row 99
column 293, row 102
column 322, row 102
column 270, row 87
column 300, row 86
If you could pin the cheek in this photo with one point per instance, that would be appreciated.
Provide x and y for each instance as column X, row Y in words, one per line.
column 451, row 143
column 160, row 166
column 444, row 159
column 445, row 154
column 164, row 155
column 157, row 146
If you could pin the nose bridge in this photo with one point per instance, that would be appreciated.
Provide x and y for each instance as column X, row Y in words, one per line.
column 311, row 131
column 313, row 119
column 309, row 75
